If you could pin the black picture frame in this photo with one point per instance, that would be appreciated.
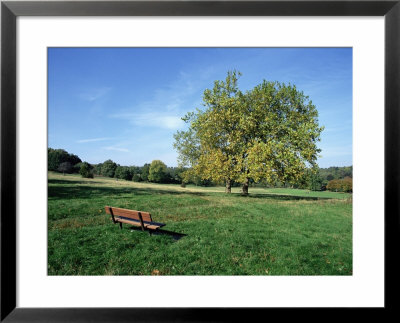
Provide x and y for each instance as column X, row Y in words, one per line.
column 10, row 10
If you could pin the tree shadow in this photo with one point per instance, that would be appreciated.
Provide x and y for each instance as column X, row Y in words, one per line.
column 283, row 197
column 82, row 191
column 67, row 182
column 87, row 192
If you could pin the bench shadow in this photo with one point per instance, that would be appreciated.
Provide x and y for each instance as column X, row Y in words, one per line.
column 175, row 235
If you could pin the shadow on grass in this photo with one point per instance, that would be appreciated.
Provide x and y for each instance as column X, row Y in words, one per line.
column 283, row 197
column 71, row 191
column 72, row 182
column 174, row 235
column 87, row 191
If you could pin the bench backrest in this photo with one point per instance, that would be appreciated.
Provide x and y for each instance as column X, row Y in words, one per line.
column 131, row 214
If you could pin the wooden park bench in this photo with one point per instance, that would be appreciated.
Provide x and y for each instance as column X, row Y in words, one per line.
column 135, row 218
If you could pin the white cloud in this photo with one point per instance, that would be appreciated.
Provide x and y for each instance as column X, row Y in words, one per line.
column 152, row 119
column 92, row 140
column 170, row 122
column 168, row 104
column 117, row 149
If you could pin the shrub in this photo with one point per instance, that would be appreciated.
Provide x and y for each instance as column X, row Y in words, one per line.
column 347, row 184
column 123, row 172
column 86, row 170
column 333, row 185
column 341, row 185
column 97, row 169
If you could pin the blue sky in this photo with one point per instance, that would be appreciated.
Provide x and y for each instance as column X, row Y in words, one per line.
column 125, row 104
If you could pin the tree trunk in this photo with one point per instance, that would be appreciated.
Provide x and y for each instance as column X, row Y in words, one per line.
column 245, row 187
column 228, row 186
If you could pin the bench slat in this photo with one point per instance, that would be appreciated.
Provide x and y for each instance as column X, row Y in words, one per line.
column 132, row 214
column 144, row 222
column 148, row 225
column 128, row 222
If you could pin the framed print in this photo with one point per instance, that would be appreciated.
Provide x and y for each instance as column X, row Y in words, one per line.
column 107, row 86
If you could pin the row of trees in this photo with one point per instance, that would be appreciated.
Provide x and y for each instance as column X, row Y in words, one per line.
column 61, row 161
column 328, row 174
column 267, row 133
column 337, row 179
column 158, row 172
column 319, row 181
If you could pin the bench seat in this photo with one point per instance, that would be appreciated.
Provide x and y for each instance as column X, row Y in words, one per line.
column 147, row 225
column 132, row 217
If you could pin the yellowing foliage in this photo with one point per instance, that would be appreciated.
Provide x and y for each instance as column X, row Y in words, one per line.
column 267, row 133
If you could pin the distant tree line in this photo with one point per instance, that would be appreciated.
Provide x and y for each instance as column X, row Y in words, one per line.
column 328, row 174
column 61, row 161
column 338, row 179
column 156, row 172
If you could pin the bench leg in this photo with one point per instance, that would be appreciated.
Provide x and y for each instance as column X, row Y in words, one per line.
column 120, row 225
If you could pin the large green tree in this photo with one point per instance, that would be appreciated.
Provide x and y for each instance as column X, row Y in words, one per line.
column 267, row 133
column 210, row 145
column 157, row 171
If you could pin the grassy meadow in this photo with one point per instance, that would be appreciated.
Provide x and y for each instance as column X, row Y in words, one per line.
column 207, row 232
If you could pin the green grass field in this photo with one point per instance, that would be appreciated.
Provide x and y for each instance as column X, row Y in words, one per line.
column 270, row 232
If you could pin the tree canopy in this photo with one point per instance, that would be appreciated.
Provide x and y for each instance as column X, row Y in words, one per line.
column 65, row 167
column 56, row 157
column 123, row 172
column 108, row 168
column 86, row 170
column 266, row 133
column 157, row 171
column 341, row 185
